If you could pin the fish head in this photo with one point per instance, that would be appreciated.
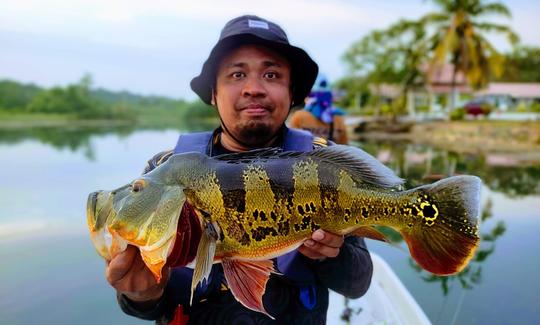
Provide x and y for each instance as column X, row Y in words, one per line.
column 143, row 213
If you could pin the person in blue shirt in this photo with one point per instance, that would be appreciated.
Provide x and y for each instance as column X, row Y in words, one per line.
column 320, row 116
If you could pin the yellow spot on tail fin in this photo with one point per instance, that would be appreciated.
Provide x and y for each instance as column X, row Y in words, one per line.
column 445, row 245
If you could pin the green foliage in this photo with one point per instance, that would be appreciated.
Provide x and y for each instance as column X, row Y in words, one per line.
column 75, row 99
column 72, row 99
column 80, row 101
column 393, row 55
column 457, row 114
column 356, row 92
column 521, row 107
column 535, row 107
column 199, row 110
column 522, row 65
column 422, row 108
column 16, row 96
column 372, row 59
column 487, row 109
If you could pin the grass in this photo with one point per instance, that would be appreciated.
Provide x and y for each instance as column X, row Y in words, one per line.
column 150, row 119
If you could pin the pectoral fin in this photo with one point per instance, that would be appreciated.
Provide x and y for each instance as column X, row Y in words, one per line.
column 205, row 257
column 247, row 281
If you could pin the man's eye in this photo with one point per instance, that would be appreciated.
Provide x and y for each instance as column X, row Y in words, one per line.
column 237, row 75
column 271, row 75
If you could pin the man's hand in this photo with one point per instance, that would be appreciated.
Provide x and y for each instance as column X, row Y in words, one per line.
column 321, row 245
column 128, row 274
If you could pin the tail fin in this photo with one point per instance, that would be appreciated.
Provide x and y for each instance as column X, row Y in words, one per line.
column 447, row 237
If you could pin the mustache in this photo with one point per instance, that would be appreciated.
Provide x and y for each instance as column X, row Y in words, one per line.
column 264, row 104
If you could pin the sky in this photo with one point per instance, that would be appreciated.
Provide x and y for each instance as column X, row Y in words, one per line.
column 156, row 47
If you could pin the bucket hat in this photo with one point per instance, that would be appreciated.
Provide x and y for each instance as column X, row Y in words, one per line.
column 250, row 29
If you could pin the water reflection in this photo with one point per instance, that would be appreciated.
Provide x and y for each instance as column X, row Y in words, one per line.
column 416, row 163
column 422, row 164
column 71, row 138
column 77, row 138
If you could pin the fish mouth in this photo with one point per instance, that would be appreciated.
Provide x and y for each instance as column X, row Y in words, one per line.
column 98, row 209
column 91, row 204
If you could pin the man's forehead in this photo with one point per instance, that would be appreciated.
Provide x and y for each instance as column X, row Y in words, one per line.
column 248, row 54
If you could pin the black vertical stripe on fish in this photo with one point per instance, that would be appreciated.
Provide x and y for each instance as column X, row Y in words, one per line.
column 328, row 178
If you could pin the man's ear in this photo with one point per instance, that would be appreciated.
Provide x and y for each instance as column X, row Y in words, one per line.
column 213, row 100
column 291, row 94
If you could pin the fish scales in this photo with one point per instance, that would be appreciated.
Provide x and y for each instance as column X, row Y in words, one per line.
column 261, row 219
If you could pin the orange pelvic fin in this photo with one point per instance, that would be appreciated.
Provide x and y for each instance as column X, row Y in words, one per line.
column 247, row 281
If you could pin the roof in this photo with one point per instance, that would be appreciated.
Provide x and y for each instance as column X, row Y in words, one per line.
column 513, row 89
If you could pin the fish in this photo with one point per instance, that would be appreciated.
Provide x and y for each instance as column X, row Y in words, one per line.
column 245, row 209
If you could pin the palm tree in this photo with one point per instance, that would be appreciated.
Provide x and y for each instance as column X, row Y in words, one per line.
column 458, row 38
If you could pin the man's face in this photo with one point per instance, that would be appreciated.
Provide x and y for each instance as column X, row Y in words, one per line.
column 253, row 93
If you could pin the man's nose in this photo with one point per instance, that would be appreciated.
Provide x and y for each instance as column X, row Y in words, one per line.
column 253, row 87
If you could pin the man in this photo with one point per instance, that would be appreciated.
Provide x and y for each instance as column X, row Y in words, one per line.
column 252, row 76
column 320, row 116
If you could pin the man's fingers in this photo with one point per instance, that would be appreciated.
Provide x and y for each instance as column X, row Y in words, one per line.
column 328, row 238
column 314, row 249
column 120, row 265
column 308, row 252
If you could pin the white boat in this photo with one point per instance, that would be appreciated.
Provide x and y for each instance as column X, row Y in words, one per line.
column 386, row 302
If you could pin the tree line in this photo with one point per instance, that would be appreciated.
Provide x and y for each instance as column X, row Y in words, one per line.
column 80, row 100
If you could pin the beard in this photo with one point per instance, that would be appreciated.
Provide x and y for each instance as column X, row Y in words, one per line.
column 256, row 133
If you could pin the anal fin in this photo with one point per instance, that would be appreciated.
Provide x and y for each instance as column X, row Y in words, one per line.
column 371, row 233
column 247, row 281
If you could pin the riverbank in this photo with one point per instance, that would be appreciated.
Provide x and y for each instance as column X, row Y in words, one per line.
column 506, row 142
column 22, row 121
column 509, row 142
column 158, row 121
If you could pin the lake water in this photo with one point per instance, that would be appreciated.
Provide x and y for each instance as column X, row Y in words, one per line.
column 50, row 273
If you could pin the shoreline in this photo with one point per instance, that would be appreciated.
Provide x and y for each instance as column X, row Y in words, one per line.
column 506, row 142
column 503, row 142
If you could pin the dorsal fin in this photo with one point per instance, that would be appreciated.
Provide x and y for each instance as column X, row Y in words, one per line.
column 248, row 156
column 360, row 164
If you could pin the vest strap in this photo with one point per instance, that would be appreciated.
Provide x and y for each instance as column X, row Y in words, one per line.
column 298, row 140
column 198, row 142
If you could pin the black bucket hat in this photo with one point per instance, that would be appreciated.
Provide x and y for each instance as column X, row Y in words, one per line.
column 251, row 29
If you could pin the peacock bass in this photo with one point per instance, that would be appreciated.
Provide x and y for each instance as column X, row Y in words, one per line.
column 244, row 209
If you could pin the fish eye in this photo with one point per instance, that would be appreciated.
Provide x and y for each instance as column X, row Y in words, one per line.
column 138, row 185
